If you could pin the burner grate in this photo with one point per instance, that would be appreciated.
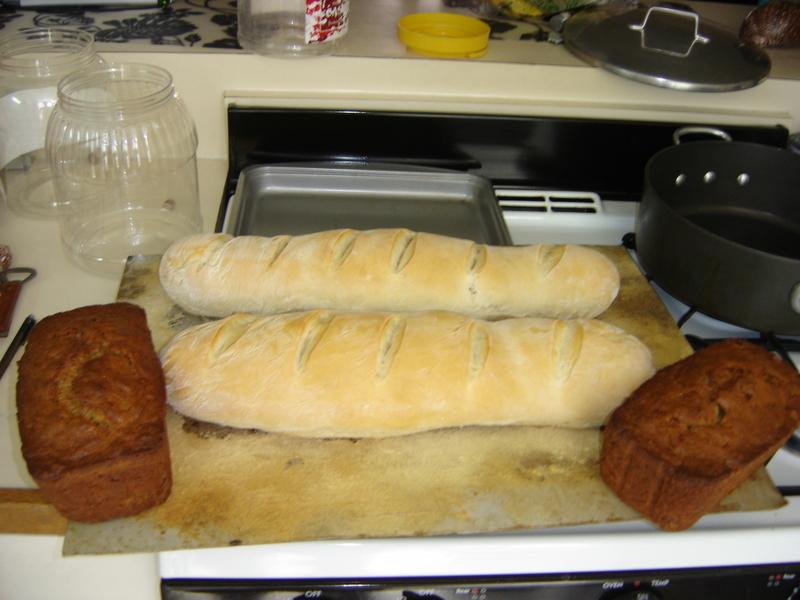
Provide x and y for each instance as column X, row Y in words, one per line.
column 781, row 346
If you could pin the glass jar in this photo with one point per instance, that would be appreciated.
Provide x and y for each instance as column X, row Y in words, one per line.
column 292, row 27
column 122, row 147
column 32, row 62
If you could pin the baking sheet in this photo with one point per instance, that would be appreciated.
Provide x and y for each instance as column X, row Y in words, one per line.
column 233, row 487
column 305, row 198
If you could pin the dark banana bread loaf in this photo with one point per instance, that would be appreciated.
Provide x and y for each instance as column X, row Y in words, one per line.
column 697, row 429
column 91, row 409
column 772, row 25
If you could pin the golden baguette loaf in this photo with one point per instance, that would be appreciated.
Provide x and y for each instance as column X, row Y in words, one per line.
column 385, row 270
column 324, row 374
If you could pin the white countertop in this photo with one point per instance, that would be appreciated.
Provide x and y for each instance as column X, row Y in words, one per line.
column 31, row 567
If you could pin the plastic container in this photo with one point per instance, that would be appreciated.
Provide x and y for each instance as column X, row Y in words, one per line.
column 122, row 147
column 444, row 35
column 32, row 62
column 292, row 28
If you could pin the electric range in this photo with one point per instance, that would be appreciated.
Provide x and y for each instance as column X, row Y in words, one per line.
column 557, row 181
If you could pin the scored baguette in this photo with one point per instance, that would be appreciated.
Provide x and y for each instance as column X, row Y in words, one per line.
column 325, row 374
column 385, row 270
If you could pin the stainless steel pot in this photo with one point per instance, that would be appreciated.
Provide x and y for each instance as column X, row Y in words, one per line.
column 719, row 228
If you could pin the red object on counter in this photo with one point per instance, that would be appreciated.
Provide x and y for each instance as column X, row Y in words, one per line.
column 9, row 292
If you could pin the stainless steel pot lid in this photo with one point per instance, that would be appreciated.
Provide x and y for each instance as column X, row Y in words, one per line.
column 665, row 45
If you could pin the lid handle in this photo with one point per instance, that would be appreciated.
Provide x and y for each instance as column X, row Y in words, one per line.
column 688, row 14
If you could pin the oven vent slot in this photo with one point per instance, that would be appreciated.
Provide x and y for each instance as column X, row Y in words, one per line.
column 548, row 201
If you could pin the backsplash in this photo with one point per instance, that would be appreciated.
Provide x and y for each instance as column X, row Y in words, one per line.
column 185, row 23
column 204, row 24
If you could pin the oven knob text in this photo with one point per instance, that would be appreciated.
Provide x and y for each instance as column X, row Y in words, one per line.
column 315, row 595
column 642, row 594
column 420, row 595
column 633, row 590
column 473, row 593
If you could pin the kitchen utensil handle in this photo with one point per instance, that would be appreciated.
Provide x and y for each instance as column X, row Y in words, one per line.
column 9, row 292
column 16, row 343
column 27, row 511
column 693, row 130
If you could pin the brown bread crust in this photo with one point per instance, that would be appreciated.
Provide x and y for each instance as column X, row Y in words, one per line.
column 91, row 409
column 697, row 429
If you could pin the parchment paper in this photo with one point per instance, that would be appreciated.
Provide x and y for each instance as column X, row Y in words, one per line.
column 233, row 487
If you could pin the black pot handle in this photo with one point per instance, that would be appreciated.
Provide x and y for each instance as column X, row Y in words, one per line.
column 694, row 130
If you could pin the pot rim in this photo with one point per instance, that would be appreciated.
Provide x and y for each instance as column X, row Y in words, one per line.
column 657, row 197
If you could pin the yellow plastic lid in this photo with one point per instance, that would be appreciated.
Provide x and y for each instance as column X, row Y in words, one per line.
column 444, row 35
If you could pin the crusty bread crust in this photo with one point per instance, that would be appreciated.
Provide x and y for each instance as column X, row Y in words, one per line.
column 687, row 437
column 326, row 374
column 91, row 412
column 385, row 270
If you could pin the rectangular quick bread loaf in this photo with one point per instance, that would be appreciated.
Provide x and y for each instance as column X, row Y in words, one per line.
column 328, row 374
column 385, row 270
column 695, row 431
column 91, row 409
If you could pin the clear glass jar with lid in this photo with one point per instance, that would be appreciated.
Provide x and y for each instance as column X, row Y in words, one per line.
column 122, row 147
column 32, row 62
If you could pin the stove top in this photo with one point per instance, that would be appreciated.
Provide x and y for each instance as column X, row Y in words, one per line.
column 721, row 539
column 603, row 162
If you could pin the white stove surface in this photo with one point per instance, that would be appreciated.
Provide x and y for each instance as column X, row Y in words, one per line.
column 752, row 538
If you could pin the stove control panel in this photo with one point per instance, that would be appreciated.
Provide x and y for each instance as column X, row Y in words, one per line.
column 772, row 582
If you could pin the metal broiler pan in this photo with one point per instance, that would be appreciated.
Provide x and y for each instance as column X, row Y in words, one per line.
column 303, row 198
